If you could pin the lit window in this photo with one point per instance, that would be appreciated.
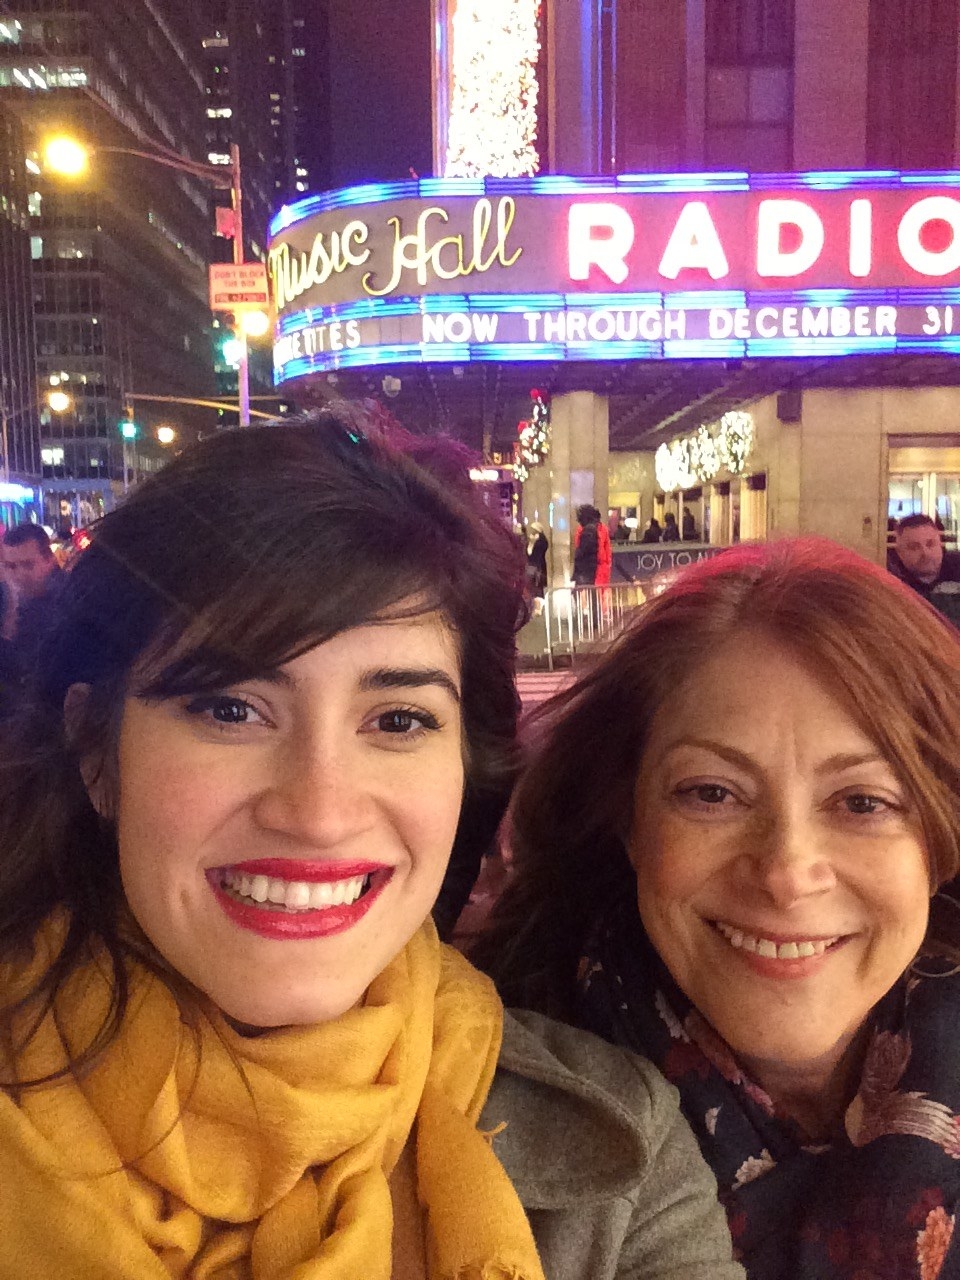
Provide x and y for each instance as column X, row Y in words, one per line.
column 36, row 247
column 299, row 52
column 301, row 186
column 33, row 204
column 218, row 157
column 274, row 97
column 219, row 113
column 10, row 32
column 302, row 173
column 51, row 457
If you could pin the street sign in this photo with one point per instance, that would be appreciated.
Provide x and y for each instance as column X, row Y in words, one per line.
column 238, row 286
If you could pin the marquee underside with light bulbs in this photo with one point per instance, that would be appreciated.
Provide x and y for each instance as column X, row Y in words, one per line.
column 680, row 266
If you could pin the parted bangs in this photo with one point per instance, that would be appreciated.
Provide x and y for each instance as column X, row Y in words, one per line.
column 246, row 552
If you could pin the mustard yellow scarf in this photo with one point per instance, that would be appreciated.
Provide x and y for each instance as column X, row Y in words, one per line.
column 161, row 1163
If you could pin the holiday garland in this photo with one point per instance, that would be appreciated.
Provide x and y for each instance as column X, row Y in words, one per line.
column 534, row 442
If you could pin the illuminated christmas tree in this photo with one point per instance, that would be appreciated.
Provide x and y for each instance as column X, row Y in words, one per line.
column 492, row 127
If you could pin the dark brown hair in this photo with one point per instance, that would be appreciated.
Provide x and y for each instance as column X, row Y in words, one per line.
column 244, row 552
column 891, row 659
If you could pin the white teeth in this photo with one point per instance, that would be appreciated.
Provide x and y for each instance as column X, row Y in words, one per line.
column 295, row 895
column 771, row 950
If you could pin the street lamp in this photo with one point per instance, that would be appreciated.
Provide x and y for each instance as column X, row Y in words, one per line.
column 69, row 157
column 58, row 401
column 166, row 435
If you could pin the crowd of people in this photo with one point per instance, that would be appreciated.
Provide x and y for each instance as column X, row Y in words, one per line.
column 709, row 1029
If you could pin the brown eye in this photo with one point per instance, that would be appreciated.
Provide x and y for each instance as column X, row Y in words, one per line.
column 865, row 805
column 220, row 709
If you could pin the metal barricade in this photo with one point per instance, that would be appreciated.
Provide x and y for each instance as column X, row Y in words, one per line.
column 580, row 619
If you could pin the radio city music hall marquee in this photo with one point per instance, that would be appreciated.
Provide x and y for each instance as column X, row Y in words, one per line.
column 642, row 267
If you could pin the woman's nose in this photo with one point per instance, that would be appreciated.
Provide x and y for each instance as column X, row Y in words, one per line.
column 315, row 795
column 789, row 859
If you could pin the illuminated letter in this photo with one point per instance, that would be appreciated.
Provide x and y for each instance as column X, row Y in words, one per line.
column 840, row 322
column 861, row 238
column 607, row 251
column 719, row 322
column 814, row 324
column 763, row 315
column 926, row 261
column 485, row 327
column 886, row 321
column 772, row 217
column 694, row 243
column 432, row 328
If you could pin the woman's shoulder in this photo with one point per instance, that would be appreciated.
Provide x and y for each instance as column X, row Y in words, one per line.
column 563, row 1086
column 592, row 1138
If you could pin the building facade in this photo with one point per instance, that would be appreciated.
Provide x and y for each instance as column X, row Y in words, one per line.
column 19, row 407
column 119, row 255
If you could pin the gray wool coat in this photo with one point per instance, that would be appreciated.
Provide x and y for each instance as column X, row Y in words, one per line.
column 606, row 1167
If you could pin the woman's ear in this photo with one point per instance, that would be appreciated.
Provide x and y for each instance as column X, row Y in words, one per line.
column 91, row 761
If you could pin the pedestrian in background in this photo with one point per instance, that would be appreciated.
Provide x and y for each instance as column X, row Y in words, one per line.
column 586, row 546
column 653, row 532
column 537, row 546
column 671, row 532
column 32, row 568
column 918, row 559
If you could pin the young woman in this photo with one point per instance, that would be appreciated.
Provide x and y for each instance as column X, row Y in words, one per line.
column 725, row 853
column 279, row 692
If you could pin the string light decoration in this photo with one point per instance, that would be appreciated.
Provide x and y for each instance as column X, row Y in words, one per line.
column 492, row 127
column 698, row 458
column 735, row 441
column 534, row 443
column 704, row 455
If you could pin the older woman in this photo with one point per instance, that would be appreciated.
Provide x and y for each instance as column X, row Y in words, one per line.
column 279, row 692
column 725, row 854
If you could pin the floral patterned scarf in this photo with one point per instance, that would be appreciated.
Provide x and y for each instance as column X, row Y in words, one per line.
column 880, row 1202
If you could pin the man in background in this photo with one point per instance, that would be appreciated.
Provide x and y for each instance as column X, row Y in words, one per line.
column 31, row 567
column 920, row 561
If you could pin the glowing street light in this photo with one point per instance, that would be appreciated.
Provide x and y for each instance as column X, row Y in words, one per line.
column 254, row 323
column 166, row 435
column 69, row 157
column 58, row 401
column 66, row 156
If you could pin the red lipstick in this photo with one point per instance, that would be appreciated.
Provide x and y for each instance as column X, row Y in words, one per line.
column 320, row 922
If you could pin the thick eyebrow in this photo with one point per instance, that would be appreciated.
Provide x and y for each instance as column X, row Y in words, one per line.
column 833, row 764
column 408, row 678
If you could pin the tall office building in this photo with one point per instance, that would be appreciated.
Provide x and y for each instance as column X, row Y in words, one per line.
column 119, row 255
column 19, row 411
column 297, row 34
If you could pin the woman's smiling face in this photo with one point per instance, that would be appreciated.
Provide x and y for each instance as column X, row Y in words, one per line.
column 282, row 840
column 781, row 870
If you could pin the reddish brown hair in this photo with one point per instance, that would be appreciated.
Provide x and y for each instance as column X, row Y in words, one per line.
column 890, row 657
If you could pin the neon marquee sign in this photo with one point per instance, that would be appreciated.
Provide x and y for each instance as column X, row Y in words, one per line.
column 648, row 266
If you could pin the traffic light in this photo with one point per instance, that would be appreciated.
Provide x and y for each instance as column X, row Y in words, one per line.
column 129, row 430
